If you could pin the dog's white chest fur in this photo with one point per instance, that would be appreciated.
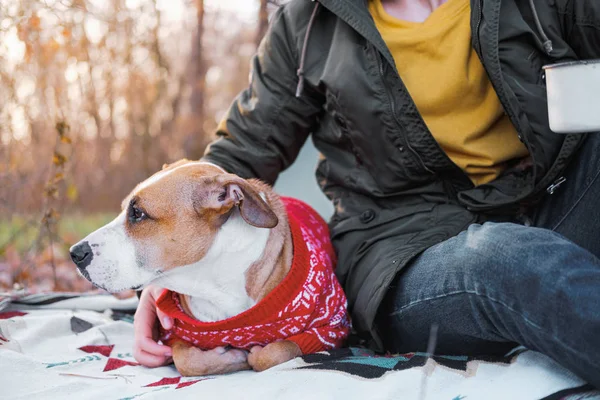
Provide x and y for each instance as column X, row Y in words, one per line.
column 217, row 283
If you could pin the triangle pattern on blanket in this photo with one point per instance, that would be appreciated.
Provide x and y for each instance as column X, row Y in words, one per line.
column 189, row 383
column 11, row 314
column 175, row 380
column 115, row 363
column 104, row 350
column 165, row 381
column 79, row 325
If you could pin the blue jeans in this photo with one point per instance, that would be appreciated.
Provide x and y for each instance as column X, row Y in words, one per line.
column 498, row 285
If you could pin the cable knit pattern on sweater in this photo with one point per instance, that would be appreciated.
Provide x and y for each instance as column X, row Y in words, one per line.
column 308, row 307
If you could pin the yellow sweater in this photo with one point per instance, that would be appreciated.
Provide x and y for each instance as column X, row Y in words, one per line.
column 451, row 89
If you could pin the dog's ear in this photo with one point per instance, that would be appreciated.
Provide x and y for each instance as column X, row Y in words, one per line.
column 253, row 208
column 221, row 194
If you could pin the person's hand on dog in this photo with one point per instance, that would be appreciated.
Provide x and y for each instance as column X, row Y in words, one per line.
column 145, row 325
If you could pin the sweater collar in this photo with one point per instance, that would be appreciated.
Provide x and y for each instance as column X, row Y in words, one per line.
column 269, row 306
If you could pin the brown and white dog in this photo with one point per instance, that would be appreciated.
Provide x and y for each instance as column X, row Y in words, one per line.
column 199, row 231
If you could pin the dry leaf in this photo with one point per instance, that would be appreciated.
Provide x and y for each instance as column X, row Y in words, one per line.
column 62, row 127
column 72, row 192
column 59, row 177
column 34, row 22
column 59, row 159
column 51, row 191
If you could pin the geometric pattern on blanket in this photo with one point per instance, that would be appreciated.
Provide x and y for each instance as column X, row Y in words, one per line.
column 367, row 364
column 75, row 353
column 111, row 363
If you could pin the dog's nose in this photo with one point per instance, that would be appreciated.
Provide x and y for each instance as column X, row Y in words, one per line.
column 82, row 255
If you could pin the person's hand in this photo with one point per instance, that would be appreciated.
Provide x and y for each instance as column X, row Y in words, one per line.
column 145, row 325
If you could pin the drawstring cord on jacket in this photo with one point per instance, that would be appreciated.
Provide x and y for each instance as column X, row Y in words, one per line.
column 300, row 71
column 545, row 39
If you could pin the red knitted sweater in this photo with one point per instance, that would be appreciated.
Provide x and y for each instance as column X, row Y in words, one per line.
column 308, row 307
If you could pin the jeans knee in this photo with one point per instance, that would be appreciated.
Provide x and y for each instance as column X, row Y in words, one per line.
column 502, row 251
column 501, row 260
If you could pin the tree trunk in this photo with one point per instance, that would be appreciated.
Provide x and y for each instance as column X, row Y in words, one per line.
column 263, row 21
column 195, row 141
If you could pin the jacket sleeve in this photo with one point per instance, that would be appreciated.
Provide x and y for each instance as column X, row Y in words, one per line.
column 582, row 22
column 266, row 126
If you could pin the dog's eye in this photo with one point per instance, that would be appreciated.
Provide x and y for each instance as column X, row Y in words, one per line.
column 136, row 215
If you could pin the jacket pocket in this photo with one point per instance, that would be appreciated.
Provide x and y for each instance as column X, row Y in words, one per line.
column 337, row 129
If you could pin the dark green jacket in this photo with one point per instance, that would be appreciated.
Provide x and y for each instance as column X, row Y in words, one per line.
column 395, row 191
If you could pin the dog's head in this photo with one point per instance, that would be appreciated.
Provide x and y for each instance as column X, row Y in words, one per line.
column 169, row 220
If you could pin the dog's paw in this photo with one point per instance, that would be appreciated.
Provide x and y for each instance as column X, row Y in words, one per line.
column 191, row 361
column 262, row 358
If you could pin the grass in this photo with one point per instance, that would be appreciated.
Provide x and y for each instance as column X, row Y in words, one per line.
column 21, row 231
column 35, row 266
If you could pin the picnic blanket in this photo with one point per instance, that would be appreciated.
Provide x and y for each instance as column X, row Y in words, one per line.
column 61, row 345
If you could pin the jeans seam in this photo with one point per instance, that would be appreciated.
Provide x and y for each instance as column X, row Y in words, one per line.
column 570, row 209
column 412, row 303
column 396, row 312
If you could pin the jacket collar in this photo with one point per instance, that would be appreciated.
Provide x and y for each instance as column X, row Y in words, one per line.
column 356, row 14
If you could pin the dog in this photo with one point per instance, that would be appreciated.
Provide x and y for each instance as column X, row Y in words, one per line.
column 245, row 271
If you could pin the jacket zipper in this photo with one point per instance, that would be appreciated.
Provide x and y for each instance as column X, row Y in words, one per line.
column 505, row 104
column 393, row 111
column 552, row 188
column 477, row 26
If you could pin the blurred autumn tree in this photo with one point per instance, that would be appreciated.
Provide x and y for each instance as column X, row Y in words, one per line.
column 138, row 83
column 193, row 147
column 263, row 20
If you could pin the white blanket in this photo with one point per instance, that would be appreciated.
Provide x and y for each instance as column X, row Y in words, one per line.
column 56, row 346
